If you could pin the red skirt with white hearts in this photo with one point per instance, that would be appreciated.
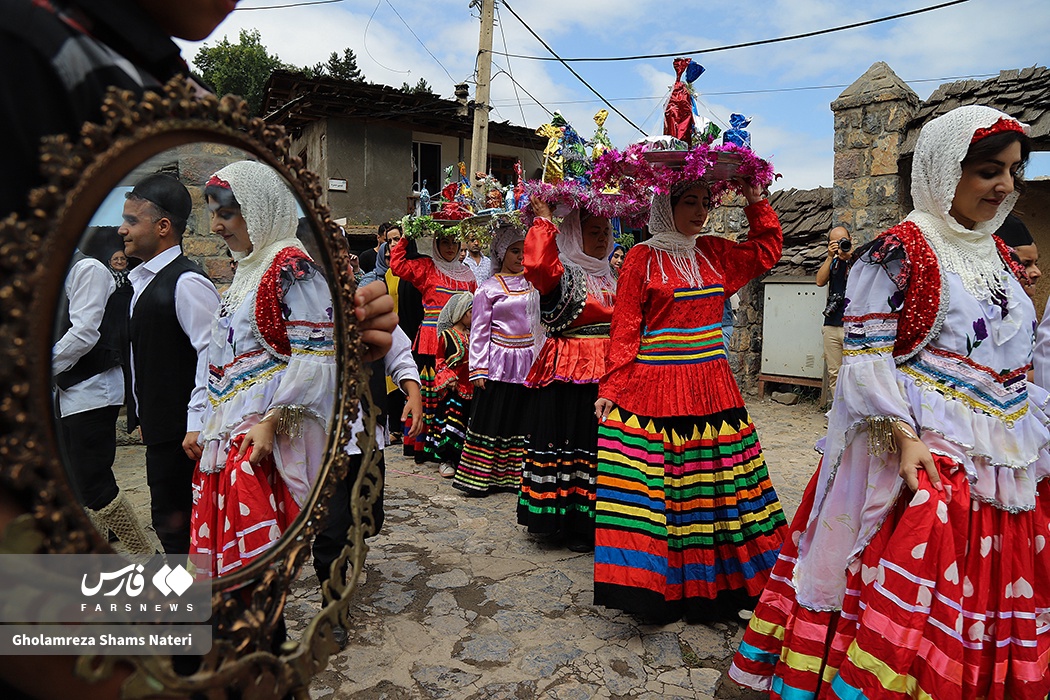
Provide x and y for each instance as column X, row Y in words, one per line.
column 951, row 600
column 238, row 513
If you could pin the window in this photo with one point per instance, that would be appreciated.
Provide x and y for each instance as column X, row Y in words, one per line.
column 502, row 168
column 426, row 167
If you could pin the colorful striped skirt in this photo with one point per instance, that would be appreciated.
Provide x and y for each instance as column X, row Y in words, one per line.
column 454, row 415
column 494, row 450
column 424, row 447
column 558, row 475
column 687, row 520
column 949, row 600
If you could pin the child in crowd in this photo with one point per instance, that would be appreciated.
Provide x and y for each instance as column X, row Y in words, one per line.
column 452, row 380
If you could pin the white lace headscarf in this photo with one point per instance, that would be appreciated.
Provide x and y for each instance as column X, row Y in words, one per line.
column 268, row 208
column 679, row 248
column 936, row 171
column 502, row 239
column 456, row 269
column 601, row 283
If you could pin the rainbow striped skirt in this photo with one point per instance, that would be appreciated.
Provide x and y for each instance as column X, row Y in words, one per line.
column 687, row 520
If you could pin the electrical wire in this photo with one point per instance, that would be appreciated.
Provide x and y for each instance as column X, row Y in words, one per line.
column 364, row 41
column 770, row 90
column 281, row 7
column 747, row 44
column 421, row 42
column 513, row 80
column 571, row 70
column 510, row 70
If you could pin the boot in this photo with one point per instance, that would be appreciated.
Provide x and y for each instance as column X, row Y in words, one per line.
column 119, row 518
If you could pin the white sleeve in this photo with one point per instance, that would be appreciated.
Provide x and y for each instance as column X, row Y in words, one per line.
column 1041, row 353
column 398, row 362
column 196, row 307
column 88, row 287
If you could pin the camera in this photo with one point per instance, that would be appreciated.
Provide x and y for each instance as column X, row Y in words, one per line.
column 845, row 245
column 834, row 305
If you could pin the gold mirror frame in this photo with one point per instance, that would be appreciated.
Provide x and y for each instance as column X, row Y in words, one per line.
column 34, row 253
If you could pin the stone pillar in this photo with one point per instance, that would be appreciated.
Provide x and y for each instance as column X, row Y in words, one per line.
column 871, row 117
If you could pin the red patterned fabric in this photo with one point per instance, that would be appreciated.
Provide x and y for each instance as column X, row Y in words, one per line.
column 947, row 601
column 238, row 513
column 269, row 317
column 666, row 356
column 452, row 366
column 562, row 359
column 920, row 278
column 435, row 287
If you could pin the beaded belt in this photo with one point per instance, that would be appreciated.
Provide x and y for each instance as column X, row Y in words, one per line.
column 594, row 330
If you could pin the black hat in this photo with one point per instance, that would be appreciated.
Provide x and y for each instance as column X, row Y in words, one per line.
column 1014, row 233
column 167, row 193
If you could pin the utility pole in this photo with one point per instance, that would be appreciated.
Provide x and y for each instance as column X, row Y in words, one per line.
column 479, row 142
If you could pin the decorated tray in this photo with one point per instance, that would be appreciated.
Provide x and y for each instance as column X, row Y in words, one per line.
column 725, row 167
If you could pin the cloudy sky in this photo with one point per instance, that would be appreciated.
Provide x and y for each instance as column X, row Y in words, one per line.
column 786, row 88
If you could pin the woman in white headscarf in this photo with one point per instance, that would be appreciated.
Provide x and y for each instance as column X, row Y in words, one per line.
column 272, row 376
column 688, row 522
column 569, row 266
column 917, row 563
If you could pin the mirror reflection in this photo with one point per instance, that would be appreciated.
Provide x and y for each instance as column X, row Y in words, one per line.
column 196, row 330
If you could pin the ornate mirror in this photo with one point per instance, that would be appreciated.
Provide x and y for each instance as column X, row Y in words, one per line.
column 222, row 184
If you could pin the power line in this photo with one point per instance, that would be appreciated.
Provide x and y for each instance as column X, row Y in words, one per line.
column 772, row 90
column 747, row 44
column 294, row 4
column 421, row 42
column 364, row 41
column 512, row 79
column 570, row 69
column 510, row 71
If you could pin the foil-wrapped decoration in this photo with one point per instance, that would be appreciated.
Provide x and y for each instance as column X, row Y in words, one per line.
column 553, row 172
column 736, row 134
column 678, row 115
column 600, row 142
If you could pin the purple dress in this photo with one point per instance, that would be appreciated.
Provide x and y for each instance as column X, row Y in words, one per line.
column 503, row 344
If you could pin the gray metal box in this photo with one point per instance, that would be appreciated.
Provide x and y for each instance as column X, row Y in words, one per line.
column 792, row 322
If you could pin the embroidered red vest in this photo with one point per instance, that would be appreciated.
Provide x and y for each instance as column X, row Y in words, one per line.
column 921, row 315
column 268, row 317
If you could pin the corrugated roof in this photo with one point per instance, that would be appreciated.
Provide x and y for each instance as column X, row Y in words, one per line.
column 295, row 100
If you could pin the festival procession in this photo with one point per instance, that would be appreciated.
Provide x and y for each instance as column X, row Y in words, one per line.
column 601, row 409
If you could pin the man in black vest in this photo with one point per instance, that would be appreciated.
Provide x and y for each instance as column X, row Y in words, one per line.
column 173, row 310
column 89, row 391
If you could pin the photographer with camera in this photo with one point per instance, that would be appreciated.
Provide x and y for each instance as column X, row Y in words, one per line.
column 833, row 273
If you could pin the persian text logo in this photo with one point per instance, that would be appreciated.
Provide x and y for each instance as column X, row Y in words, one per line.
column 130, row 580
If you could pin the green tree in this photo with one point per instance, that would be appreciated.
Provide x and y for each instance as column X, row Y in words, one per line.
column 420, row 88
column 242, row 68
column 342, row 67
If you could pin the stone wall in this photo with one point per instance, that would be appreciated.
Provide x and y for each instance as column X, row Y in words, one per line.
column 871, row 120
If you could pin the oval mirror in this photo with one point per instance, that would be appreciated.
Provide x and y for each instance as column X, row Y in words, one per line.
column 275, row 364
column 193, row 311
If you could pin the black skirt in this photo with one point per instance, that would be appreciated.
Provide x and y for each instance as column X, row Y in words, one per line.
column 494, row 450
column 560, row 471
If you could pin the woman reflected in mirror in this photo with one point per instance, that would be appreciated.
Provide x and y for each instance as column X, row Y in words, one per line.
column 272, row 376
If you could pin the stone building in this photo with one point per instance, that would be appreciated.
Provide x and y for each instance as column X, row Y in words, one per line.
column 877, row 122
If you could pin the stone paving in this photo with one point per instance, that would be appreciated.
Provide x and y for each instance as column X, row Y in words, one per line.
column 458, row 602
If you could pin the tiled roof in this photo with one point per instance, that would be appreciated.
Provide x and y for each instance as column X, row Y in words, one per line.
column 1022, row 93
column 805, row 216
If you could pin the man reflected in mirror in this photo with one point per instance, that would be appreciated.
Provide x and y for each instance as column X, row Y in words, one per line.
column 89, row 391
column 173, row 309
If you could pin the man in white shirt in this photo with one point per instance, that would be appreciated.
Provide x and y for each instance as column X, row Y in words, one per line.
column 478, row 263
column 173, row 310
column 89, row 391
